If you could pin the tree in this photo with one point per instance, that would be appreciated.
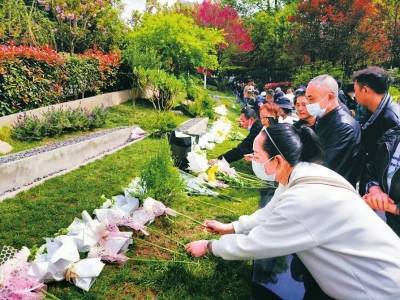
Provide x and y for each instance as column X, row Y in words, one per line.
column 180, row 45
column 215, row 15
column 389, row 25
column 272, row 57
column 251, row 7
column 85, row 24
column 24, row 24
column 335, row 31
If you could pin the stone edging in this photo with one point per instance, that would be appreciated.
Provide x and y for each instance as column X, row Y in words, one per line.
column 105, row 100
column 22, row 171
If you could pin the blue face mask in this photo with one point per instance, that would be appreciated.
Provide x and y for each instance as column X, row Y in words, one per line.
column 259, row 171
column 315, row 109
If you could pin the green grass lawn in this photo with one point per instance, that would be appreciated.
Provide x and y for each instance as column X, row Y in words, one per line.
column 43, row 210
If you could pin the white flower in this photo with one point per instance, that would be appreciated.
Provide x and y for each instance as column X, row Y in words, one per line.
column 86, row 232
column 126, row 203
column 137, row 188
column 61, row 253
column 223, row 167
column 221, row 110
column 107, row 204
column 220, row 130
column 157, row 208
column 197, row 162
column 84, row 272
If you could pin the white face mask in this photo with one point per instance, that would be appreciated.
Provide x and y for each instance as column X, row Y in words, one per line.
column 315, row 109
column 259, row 170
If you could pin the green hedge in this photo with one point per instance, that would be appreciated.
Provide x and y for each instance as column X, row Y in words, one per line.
column 29, row 81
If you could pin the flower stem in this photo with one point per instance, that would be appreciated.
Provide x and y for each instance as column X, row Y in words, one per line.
column 165, row 261
column 50, row 295
column 207, row 203
column 164, row 235
column 161, row 247
column 222, row 196
column 190, row 218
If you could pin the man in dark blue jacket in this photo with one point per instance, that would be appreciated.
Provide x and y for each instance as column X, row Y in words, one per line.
column 384, row 171
column 371, row 87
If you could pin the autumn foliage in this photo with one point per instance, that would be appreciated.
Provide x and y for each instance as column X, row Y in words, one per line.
column 213, row 14
column 106, row 60
column 343, row 31
column 44, row 54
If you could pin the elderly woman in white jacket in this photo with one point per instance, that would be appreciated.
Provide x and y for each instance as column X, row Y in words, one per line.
column 315, row 213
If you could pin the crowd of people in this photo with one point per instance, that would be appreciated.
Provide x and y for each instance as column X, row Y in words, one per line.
column 335, row 156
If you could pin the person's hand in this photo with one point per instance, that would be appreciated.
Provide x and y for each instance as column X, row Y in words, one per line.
column 379, row 200
column 376, row 193
column 212, row 162
column 382, row 205
column 197, row 248
column 248, row 157
column 218, row 227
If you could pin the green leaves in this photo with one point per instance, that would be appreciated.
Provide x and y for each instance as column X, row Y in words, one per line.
column 307, row 72
column 163, row 181
column 176, row 43
column 57, row 122
column 159, row 87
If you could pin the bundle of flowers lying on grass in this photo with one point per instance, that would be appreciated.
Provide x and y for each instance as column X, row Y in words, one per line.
column 220, row 174
column 221, row 110
column 98, row 238
column 218, row 133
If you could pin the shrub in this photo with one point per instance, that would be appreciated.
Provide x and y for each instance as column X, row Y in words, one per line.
column 28, row 129
column 57, row 122
column 162, row 179
column 97, row 117
column 203, row 105
column 163, row 123
column 82, row 75
column 161, row 87
column 307, row 72
column 31, row 77
column 78, row 119
column 26, row 84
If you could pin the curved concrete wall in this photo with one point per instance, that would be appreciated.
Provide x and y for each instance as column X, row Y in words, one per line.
column 105, row 100
column 43, row 163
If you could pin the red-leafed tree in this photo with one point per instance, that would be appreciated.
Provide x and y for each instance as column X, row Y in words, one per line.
column 213, row 14
column 388, row 25
column 339, row 31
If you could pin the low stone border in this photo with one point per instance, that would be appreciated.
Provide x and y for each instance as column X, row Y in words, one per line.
column 24, row 170
column 105, row 100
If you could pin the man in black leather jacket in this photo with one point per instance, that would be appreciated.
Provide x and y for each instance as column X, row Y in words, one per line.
column 384, row 171
column 248, row 120
column 339, row 133
column 371, row 87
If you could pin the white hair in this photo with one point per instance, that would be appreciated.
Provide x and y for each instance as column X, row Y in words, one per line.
column 328, row 82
